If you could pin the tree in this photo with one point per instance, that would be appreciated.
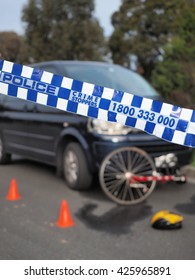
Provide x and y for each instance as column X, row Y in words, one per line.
column 13, row 47
column 174, row 77
column 143, row 27
column 63, row 29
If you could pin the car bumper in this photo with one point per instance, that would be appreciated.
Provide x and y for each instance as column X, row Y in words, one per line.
column 103, row 145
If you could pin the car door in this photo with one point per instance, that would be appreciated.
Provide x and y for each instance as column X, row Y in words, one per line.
column 14, row 124
column 45, row 125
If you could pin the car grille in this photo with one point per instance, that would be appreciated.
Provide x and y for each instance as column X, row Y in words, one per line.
column 163, row 149
column 152, row 149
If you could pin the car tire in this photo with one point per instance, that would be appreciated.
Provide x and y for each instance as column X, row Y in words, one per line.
column 75, row 168
column 4, row 157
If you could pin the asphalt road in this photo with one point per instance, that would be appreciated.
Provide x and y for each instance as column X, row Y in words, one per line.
column 103, row 230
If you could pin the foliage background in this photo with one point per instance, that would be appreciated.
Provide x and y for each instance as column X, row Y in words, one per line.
column 160, row 34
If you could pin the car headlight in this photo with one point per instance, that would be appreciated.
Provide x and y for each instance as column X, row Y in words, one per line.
column 109, row 128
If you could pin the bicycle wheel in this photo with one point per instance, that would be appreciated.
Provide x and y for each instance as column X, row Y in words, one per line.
column 117, row 171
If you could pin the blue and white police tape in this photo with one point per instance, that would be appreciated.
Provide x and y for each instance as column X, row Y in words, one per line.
column 166, row 121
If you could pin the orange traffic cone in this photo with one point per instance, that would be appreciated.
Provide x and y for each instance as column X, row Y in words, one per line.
column 13, row 193
column 65, row 219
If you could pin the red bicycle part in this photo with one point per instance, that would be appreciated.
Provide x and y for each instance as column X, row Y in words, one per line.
column 160, row 178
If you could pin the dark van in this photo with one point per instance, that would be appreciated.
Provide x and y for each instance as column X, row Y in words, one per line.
column 77, row 145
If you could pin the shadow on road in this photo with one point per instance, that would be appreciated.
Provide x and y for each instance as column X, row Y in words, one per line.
column 116, row 221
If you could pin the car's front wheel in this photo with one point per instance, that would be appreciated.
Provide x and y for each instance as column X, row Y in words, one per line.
column 4, row 157
column 75, row 167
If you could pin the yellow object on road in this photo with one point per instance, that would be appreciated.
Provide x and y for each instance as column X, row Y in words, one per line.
column 166, row 220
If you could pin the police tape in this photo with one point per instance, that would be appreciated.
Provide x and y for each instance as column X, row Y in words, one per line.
column 169, row 122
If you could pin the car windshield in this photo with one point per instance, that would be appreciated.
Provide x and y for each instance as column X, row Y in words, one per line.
column 111, row 76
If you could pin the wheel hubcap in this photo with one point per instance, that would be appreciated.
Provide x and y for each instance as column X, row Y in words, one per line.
column 128, row 175
column 71, row 167
column 1, row 149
